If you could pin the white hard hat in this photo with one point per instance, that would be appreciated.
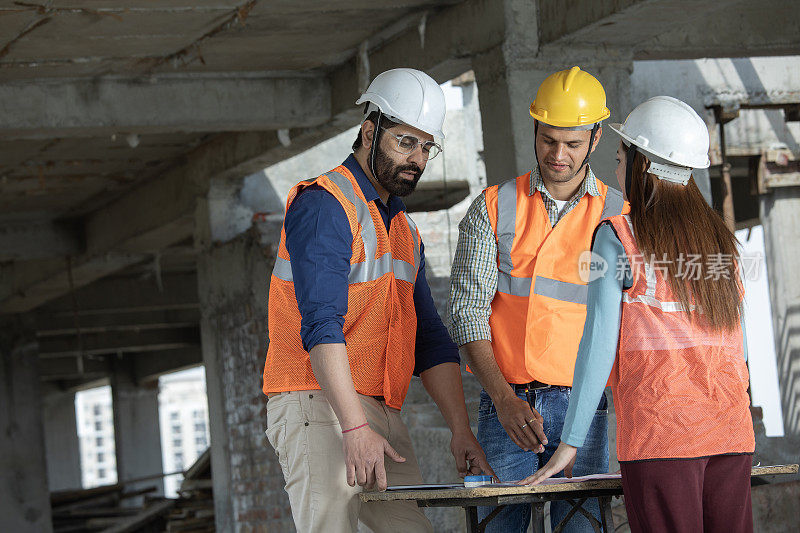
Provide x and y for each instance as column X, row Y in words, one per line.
column 671, row 134
column 409, row 96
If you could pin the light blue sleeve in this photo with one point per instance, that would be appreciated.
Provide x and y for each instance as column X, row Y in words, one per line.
column 598, row 347
column 744, row 336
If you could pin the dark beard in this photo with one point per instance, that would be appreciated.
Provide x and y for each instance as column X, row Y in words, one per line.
column 388, row 175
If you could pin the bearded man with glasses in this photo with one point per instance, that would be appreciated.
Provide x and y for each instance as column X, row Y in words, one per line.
column 351, row 319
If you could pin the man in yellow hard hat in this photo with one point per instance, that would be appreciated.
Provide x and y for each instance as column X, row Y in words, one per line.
column 517, row 298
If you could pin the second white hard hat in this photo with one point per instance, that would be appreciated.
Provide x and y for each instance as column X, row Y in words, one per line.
column 409, row 96
column 670, row 133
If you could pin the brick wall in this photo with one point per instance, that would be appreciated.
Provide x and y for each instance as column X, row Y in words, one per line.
column 248, row 483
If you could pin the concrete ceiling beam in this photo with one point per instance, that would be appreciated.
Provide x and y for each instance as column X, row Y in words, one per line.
column 443, row 47
column 160, row 213
column 28, row 284
column 95, row 107
column 63, row 322
column 67, row 368
column 555, row 21
column 108, row 343
column 670, row 29
column 21, row 241
column 150, row 366
column 112, row 300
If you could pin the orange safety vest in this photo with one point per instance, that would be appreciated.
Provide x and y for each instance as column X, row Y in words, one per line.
column 680, row 389
column 539, row 308
column 381, row 323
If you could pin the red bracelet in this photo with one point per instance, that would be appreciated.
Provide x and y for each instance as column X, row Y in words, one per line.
column 355, row 428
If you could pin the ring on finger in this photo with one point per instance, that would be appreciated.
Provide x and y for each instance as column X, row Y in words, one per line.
column 523, row 426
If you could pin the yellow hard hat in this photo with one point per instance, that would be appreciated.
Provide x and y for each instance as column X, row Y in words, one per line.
column 570, row 99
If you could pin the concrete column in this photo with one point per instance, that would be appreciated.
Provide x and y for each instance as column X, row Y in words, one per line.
column 233, row 282
column 61, row 442
column 505, row 82
column 137, row 435
column 24, row 497
column 508, row 77
column 780, row 214
column 505, row 92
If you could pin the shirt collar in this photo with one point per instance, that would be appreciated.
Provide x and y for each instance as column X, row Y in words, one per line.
column 589, row 185
column 368, row 189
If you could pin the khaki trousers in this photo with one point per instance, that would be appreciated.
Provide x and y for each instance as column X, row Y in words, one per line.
column 306, row 436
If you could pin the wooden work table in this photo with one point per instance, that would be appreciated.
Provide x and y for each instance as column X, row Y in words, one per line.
column 488, row 496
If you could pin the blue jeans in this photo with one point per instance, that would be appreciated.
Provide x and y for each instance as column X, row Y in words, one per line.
column 511, row 463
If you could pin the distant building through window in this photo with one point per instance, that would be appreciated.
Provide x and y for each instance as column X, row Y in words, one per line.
column 96, row 437
column 183, row 412
column 184, row 407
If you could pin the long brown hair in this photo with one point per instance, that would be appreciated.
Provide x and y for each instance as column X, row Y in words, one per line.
column 672, row 222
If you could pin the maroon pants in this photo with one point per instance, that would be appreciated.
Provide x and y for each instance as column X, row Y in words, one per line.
column 710, row 494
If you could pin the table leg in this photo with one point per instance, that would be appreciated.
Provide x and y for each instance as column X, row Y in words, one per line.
column 577, row 507
column 605, row 513
column 537, row 516
column 473, row 525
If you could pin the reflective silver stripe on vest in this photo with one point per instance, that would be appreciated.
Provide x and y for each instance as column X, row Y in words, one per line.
column 404, row 270
column 506, row 224
column 359, row 272
column 515, row 286
column 561, row 290
column 649, row 272
column 649, row 296
column 612, row 206
column 414, row 235
column 370, row 269
column 666, row 307
column 282, row 269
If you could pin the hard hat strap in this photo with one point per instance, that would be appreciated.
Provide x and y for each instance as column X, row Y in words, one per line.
column 592, row 135
column 375, row 137
column 629, row 169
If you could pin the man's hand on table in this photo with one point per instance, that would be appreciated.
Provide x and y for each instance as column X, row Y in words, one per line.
column 363, row 455
column 469, row 456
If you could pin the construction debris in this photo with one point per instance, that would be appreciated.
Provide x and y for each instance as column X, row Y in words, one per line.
column 194, row 509
column 102, row 509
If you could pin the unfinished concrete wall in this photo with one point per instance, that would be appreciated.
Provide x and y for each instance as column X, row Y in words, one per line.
column 137, row 434
column 24, row 496
column 730, row 82
column 61, row 441
column 233, row 282
column 780, row 213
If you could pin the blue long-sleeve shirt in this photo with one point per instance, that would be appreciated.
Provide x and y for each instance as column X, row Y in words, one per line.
column 319, row 241
column 598, row 347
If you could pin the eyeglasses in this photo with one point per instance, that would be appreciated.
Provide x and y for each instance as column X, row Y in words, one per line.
column 408, row 143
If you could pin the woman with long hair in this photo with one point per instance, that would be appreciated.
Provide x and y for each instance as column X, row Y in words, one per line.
column 664, row 328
